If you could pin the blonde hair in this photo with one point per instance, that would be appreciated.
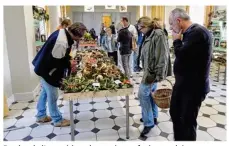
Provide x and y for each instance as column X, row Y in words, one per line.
column 156, row 19
column 108, row 30
column 147, row 22
column 66, row 22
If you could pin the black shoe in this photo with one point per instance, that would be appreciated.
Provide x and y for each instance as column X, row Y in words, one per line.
column 146, row 130
column 155, row 121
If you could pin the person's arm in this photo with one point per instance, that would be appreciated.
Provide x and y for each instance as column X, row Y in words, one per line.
column 119, row 37
column 158, row 65
column 60, row 53
column 134, row 32
column 166, row 32
column 182, row 48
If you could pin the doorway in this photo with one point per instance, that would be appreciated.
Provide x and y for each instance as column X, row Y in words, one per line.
column 106, row 21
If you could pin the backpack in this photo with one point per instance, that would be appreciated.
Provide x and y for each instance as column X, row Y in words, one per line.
column 133, row 41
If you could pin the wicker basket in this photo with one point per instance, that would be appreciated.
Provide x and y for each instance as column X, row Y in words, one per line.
column 162, row 97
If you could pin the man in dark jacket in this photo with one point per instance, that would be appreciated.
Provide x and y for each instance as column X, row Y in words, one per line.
column 137, row 68
column 125, row 40
column 112, row 27
column 50, row 64
column 102, row 35
column 191, row 70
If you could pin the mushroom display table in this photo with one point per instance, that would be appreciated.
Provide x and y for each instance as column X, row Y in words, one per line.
column 95, row 75
column 74, row 96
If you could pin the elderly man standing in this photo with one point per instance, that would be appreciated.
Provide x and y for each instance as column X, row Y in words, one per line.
column 191, row 70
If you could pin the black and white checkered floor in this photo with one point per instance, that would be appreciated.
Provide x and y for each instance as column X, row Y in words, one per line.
column 103, row 119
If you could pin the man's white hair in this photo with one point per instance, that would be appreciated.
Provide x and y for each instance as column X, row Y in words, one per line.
column 179, row 13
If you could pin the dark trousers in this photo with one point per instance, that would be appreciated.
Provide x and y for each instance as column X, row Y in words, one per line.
column 139, row 55
column 184, row 110
column 114, row 55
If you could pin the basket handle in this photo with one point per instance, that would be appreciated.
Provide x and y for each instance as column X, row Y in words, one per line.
column 169, row 82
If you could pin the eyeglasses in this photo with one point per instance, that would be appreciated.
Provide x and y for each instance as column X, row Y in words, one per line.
column 140, row 27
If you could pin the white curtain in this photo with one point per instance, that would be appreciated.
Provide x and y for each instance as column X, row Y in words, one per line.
column 141, row 11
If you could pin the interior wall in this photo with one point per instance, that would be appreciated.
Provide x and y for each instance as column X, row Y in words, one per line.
column 141, row 10
column 7, row 75
column 168, row 9
column 149, row 11
column 20, row 50
column 54, row 15
column 196, row 14
column 94, row 19
column 181, row 7
column 30, row 37
column 220, row 7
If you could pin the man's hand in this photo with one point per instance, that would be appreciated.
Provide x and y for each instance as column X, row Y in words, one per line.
column 177, row 36
column 73, row 65
column 73, row 62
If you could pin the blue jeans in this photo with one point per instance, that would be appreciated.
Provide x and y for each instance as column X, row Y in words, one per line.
column 102, row 40
column 135, row 65
column 50, row 93
column 126, row 64
column 149, row 108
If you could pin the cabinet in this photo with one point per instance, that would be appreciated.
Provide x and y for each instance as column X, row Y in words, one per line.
column 218, row 29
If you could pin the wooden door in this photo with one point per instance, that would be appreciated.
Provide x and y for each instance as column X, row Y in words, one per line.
column 107, row 21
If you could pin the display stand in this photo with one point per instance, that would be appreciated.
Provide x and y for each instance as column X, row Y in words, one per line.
column 225, row 72
column 218, row 27
column 220, row 60
column 72, row 95
column 106, row 93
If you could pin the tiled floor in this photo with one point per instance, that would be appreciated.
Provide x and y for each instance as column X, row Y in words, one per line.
column 103, row 119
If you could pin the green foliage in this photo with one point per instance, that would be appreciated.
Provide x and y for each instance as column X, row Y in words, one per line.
column 40, row 14
column 97, row 69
